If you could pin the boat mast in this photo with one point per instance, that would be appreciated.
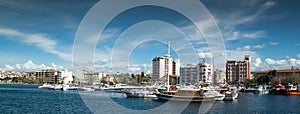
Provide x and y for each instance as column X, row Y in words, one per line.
column 168, row 59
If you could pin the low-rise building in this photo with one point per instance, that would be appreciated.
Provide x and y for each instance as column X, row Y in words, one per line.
column 278, row 73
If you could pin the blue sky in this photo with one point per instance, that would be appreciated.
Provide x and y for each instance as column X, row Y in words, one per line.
column 38, row 34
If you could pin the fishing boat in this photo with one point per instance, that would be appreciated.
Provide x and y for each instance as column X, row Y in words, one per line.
column 140, row 92
column 188, row 94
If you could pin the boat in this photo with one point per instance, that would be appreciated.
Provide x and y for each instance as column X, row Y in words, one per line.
column 292, row 90
column 231, row 94
column 278, row 90
column 87, row 89
column 187, row 94
column 261, row 89
column 45, row 86
column 118, row 88
column 68, row 88
column 141, row 92
column 219, row 96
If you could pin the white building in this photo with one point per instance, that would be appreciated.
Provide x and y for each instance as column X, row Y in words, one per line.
column 220, row 76
column 165, row 66
column 196, row 74
column 67, row 76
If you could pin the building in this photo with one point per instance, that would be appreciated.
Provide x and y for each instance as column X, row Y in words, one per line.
column 238, row 71
column 189, row 75
column 165, row 66
column 67, row 76
column 278, row 73
column 52, row 76
column 84, row 77
column 196, row 74
column 220, row 76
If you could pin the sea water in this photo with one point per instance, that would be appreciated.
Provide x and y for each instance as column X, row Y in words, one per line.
column 30, row 99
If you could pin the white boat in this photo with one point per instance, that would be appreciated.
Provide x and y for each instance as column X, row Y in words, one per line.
column 219, row 97
column 141, row 92
column 55, row 87
column 261, row 89
column 86, row 89
column 68, row 88
column 231, row 94
column 118, row 88
column 45, row 86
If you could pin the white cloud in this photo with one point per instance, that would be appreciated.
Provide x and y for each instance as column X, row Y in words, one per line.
column 267, row 5
column 256, row 34
column 205, row 55
column 242, row 17
column 245, row 48
column 235, row 35
column 298, row 55
column 294, row 62
column 43, row 41
column 30, row 66
column 9, row 67
column 238, row 34
column 258, row 46
column 257, row 62
column 273, row 62
column 273, row 43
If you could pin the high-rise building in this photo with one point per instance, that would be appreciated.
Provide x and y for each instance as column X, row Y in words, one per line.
column 196, row 74
column 165, row 66
column 238, row 71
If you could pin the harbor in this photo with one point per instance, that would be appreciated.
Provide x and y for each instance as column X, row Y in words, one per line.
column 149, row 57
column 77, row 102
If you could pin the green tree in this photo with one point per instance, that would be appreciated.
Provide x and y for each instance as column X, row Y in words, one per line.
column 42, row 79
column 253, row 81
column 146, row 78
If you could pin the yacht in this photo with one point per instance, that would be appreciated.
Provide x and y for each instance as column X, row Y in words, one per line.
column 46, row 86
column 188, row 94
column 140, row 92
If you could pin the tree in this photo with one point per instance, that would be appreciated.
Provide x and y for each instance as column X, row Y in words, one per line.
column 139, row 78
column 142, row 74
column 43, row 79
column 253, row 81
column 146, row 78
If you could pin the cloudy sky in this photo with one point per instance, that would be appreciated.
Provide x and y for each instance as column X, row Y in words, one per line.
column 38, row 34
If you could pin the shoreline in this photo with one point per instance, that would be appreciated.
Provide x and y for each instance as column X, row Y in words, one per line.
column 20, row 84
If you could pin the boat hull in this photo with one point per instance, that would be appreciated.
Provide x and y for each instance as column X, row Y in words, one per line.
column 293, row 92
column 183, row 98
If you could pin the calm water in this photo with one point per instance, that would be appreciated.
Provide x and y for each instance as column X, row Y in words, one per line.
column 29, row 99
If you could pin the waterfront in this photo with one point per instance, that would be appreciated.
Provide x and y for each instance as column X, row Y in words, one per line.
column 29, row 99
